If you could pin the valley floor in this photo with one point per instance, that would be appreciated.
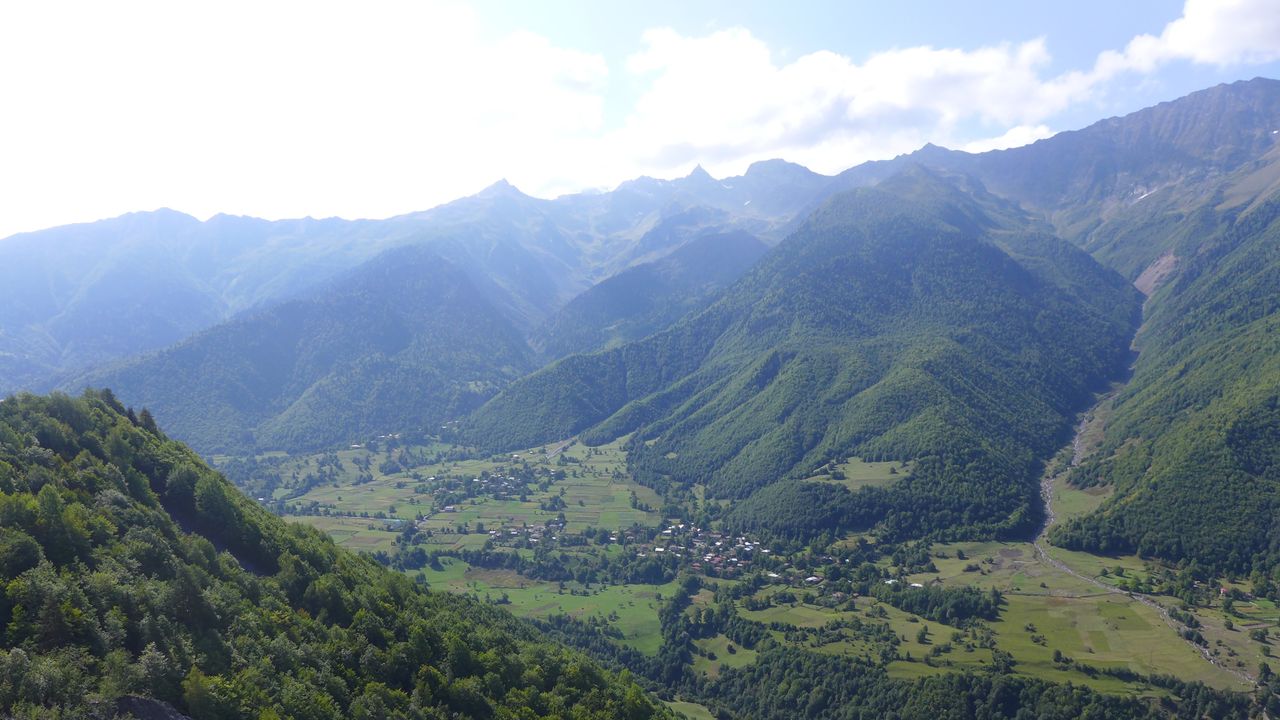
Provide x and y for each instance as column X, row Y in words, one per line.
column 555, row 531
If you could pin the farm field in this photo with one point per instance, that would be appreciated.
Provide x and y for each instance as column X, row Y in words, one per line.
column 588, row 486
column 355, row 533
column 720, row 652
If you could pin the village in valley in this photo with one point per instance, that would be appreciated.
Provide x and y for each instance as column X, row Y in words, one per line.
column 563, row 534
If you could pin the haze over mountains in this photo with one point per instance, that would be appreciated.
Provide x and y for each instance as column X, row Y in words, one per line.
column 82, row 295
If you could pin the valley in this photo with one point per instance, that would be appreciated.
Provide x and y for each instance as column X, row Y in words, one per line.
column 1064, row 616
column 940, row 432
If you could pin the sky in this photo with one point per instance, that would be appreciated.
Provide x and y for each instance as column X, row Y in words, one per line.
column 292, row 109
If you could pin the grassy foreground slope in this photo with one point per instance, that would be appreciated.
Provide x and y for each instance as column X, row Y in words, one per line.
column 919, row 320
column 129, row 569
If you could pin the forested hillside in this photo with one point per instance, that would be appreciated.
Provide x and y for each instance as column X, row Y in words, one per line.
column 1192, row 448
column 131, row 570
column 649, row 297
column 400, row 343
column 919, row 320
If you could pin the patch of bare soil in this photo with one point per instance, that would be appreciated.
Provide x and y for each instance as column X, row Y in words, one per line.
column 1155, row 273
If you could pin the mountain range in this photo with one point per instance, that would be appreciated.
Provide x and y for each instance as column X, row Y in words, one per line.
column 947, row 308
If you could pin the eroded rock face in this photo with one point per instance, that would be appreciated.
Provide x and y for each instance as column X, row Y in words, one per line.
column 1156, row 273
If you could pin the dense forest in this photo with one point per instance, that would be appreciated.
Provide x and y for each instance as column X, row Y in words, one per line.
column 131, row 571
column 789, row 684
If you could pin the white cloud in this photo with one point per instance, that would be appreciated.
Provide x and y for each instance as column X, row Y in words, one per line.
column 722, row 100
column 1016, row 136
column 1210, row 32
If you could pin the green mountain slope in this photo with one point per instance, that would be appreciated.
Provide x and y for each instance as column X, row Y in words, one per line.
column 917, row 321
column 1192, row 448
column 403, row 342
column 1121, row 187
column 649, row 297
column 131, row 570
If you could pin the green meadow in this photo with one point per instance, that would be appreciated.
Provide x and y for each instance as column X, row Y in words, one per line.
column 631, row 609
column 856, row 473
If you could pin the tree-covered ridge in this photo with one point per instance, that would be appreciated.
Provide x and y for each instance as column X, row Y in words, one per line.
column 920, row 319
column 1191, row 449
column 789, row 684
column 402, row 342
column 129, row 568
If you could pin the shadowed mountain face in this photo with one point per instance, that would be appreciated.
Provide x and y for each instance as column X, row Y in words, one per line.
column 916, row 320
column 649, row 297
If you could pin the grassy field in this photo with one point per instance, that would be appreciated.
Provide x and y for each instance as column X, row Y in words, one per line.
column 1105, row 631
column 1069, row 502
column 1101, row 630
column 355, row 533
column 1080, row 620
column 718, row 655
column 692, row 711
column 858, row 473
column 632, row 609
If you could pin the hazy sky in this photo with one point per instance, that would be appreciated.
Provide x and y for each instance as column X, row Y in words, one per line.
column 287, row 109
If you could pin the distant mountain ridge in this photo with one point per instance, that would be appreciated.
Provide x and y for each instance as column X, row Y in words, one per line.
column 79, row 296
